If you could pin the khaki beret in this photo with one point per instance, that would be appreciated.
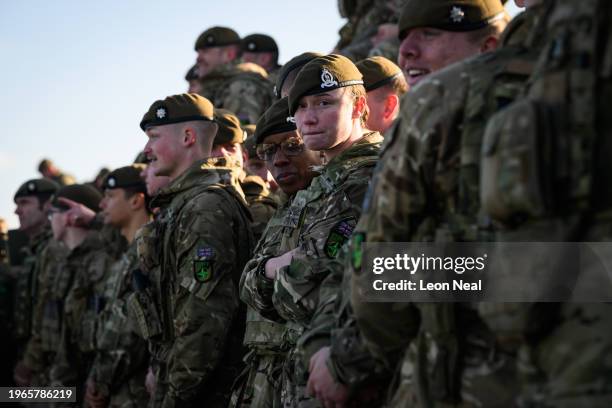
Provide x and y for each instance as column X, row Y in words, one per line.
column 229, row 128
column 217, row 37
column 37, row 187
column 321, row 75
column 294, row 63
column 81, row 193
column 274, row 120
column 449, row 15
column 377, row 72
column 176, row 109
column 258, row 43
column 125, row 177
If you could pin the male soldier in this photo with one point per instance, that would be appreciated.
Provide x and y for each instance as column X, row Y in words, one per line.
column 385, row 84
column 288, row 72
column 263, row 51
column 441, row 137
column 194, row 254
column 117, row 376
column 560, row 192
column 228, row 146
column 328, row 103
column 283, row 151
column 48, row 170
column 72, row 304
column 237, row 87
column 31, row 199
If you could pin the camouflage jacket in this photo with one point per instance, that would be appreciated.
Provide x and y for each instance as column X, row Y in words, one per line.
column 121, row 357
column 239, row 89
column 26, row 286
column 325, row 213
column 199, row 244
column 428, row 190
column 88, row 265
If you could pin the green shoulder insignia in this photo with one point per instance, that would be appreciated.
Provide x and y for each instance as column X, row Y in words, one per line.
column 203, row 267
column 337, row 237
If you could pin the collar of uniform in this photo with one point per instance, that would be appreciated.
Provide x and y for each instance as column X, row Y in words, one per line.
column 201, row 173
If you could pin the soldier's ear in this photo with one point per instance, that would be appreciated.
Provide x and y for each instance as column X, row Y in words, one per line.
column 359, row 107
column 189, row 136
column 137, row 201
column 391, row 105
column 489, row 44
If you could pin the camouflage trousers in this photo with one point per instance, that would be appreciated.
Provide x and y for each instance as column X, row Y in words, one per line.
column 259, row 385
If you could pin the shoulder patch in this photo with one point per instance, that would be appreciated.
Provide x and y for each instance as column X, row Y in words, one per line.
column 203, row 265
column 337, row 237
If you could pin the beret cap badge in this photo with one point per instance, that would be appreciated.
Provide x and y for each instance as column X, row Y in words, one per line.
column 327, row 79
column 457, row 14
column 161, row 113
column 31, row 187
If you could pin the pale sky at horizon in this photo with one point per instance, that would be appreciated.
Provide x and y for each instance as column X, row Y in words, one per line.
column 78, row 76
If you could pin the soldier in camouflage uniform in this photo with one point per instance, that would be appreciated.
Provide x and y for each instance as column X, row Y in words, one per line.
column 31, row 199
column 240, row 88
column 117, row 375
column 269, row 340
column 435, row 154
column 385, row 85
column 228, row 147
column 333, row 328
column 73, row 301
column 262, row 50
column 188, row 308
column 328, row 101
column 561, row 194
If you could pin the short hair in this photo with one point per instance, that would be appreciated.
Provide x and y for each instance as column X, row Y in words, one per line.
column 129, row 192
column 358, row 91
column 398, row 85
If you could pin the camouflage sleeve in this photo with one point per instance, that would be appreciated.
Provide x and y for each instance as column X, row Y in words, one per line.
column 398, row 206
column 255, row 288
column 206, row 298
column 297, row 286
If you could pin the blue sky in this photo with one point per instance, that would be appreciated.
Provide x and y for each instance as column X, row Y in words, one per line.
column 77, row 76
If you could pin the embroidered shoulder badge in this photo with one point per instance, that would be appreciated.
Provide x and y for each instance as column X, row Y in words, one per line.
column 203, row 266
column 327, row 79
column 337, row 237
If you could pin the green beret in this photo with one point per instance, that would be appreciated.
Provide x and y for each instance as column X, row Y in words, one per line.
column 81, row 193
column 321, row 75
column 292, row 64
column 125, row 177
column 449, row 15
column 274, row 120
column 377, row 72
column 217, row 37
column 258, row 43
column 229, row 128
column 176, row 109
column 37, row 187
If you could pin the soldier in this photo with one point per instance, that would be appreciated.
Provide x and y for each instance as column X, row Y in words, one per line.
column 117, row 375
column 228, row 145
column 385, row 84
column 441, row 136
column 192, row 79
column 193, row 255
column 262, row 50
column 328, row 103
column 48, row 170
column 288, row 72
column 31, row 199
column 72, row 303
column 563, row 194
column 282, row 150
column 240, row 88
